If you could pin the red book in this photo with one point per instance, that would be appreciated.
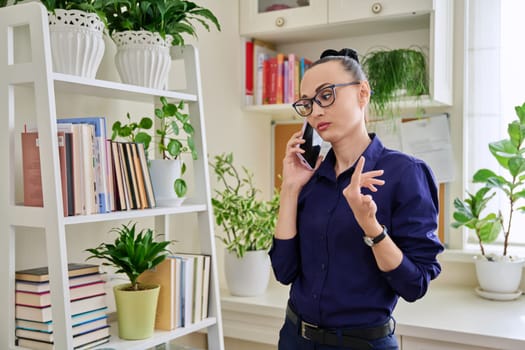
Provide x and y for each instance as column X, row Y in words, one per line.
column 249, row 72
column 280, row 79
column 32, row 173
column 272, row 81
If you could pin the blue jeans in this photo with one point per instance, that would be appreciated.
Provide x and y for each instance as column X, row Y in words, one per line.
column 289, row 339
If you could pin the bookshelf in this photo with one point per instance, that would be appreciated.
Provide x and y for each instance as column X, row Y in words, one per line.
column 37, row 75
column 307, row 29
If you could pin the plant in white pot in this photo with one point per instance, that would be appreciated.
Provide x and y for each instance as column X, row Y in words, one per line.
column 499, row 276
column 248, row 224
column 145, row 30
column 76, row 31
column 173, row 136
column 132, row 253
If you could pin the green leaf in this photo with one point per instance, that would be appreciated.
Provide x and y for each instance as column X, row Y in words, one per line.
column 180, row 187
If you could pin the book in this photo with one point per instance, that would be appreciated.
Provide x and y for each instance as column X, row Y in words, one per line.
column 79, row 341
column 146, row 175
column 46, row 335
column 41, row 274
column 186, row 290
column 75, row 165
column 248, row 74
column 99, row 157
column 139, row 176
column 206, row 286
column 121, row 201
column 43, row 299
column 132, row 176
column 262, row 50
column 40, row 287
column 279, row 87
column 125, row 176
column 44, row 314
column 167, row 275
column 196, row 280
column 32, row 173
column 80, row 320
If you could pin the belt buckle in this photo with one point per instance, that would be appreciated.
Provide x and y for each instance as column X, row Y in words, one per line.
column 304, row 325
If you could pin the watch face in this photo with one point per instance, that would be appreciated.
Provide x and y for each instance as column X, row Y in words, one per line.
column 368, row 241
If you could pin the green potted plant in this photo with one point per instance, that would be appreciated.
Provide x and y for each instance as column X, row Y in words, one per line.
column 145, row 30
column 248, row 224
column 132, row 253
column 497, row 273
column 75, row 27
column 393, row 74
column 173, row 136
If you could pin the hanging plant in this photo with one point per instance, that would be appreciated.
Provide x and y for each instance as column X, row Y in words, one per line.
column 395, row 73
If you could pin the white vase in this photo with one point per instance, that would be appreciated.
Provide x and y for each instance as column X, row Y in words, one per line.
column 499, row 276
column 77, row 45
column 163, row 173
column 248, row 276
column 143, row 58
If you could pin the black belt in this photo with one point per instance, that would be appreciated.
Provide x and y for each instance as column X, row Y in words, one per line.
column 354, row 338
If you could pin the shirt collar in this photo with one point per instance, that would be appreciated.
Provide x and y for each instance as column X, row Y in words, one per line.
column 371, row 154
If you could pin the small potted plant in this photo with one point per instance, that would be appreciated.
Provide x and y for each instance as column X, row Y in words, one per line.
column 393, row 74
column 497, row 273
column 248, row 224
column 144, row 31
column 173, row 136
column 132, row 253
column 75, row 27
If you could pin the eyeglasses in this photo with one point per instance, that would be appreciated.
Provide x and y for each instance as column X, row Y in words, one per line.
column 324, row 98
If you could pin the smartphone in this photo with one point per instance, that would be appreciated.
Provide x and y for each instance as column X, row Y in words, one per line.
column 312, row 146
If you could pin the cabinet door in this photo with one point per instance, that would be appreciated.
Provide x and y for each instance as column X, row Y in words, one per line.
column 352, row 10
column 411, row 343
column 260, row 16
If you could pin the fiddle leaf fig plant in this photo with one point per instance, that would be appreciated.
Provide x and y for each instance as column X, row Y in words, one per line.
column 173, row 135
column 132, row 252
column 248, row 222
column 509, row 153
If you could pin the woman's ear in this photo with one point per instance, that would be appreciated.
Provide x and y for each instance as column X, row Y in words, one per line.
column 364, row 94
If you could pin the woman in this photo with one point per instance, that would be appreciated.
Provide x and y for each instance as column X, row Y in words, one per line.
column 357, row 232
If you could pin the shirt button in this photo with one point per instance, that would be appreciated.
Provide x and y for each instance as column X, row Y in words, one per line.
column 323, row 267
column 314, row 296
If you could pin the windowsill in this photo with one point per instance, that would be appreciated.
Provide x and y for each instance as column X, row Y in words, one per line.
column 471, row 250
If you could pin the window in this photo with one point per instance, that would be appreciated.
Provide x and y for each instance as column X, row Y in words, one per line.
column 495, row 85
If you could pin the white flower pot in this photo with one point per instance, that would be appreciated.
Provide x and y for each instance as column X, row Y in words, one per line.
column 248, row 276
column 143, row 58
column 500, row 276
column 77, row 45
column 163, row 173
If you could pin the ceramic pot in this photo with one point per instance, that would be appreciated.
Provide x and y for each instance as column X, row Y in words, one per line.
column 143, row 58
column 499, row 276
column 136, row 311
column 248, row 276
column 163, row 174
column 77, row 45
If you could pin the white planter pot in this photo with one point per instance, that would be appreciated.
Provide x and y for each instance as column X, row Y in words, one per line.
column 143, row 58
column 248, row 276
column 77, row 45
column 163, row 174
column 499, row 276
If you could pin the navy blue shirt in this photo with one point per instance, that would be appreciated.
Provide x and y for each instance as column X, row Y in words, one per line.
column 334, row 276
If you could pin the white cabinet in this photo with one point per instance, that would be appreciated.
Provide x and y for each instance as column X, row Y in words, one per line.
column 373, row 10
column 411, row 343
column 35, row 74
column 363, row 25
column 258, row 16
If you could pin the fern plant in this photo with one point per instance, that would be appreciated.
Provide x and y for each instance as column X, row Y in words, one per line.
column 248, row 222
column 132, row 253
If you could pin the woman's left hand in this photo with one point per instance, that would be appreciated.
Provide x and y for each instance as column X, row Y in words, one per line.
column 363, row 206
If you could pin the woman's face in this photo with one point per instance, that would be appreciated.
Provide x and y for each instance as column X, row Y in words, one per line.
column 346, row 114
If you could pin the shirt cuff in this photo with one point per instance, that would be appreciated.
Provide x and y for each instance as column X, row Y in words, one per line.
column 406, row 271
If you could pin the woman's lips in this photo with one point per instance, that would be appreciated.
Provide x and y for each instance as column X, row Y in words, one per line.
column 322, row 126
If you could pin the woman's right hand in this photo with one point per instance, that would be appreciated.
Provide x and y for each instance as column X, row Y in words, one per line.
column 295, row 174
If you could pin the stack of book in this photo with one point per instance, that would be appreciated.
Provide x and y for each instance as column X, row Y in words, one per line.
column 34, row 321
column 184, row 289
column 97, row 175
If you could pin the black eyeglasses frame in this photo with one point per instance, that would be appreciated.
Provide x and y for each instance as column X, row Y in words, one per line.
column 316, row 100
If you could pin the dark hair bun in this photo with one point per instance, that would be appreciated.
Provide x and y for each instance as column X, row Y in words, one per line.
column 351, row 53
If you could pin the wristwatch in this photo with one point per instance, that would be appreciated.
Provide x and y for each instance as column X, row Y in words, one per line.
column 373, row 241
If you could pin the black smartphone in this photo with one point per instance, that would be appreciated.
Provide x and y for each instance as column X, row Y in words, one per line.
column 312, row 146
